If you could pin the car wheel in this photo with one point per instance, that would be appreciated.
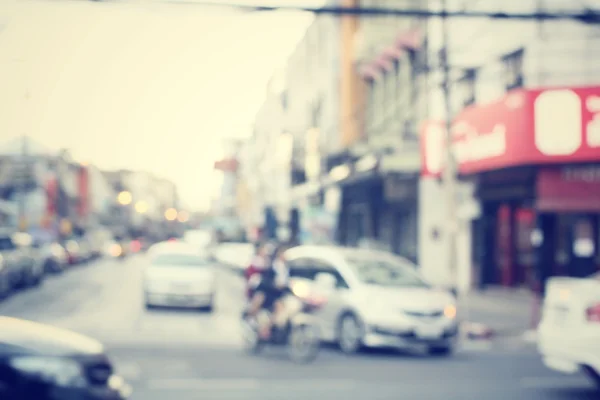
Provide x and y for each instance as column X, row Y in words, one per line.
column 350, row 334
column 441, row 350
column 593, row 374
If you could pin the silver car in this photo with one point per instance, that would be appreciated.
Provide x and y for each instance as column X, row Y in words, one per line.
column 176, row 277
column 375, row 299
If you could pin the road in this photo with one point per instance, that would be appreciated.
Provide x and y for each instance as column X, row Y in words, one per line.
column 192, row 355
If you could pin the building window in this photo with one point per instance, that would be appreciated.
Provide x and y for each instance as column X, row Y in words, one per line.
column 466, row 88
column 370, row 103
column 378, row 101
column 391, row 97
column 513, row 69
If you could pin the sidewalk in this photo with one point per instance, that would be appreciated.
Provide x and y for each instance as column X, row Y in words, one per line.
column 503, row 311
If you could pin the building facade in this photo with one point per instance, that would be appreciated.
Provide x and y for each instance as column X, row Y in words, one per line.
column 378, row 173
column 298, row 124
column 524, row 105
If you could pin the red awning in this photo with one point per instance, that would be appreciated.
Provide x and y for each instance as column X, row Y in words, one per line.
column 411, row 40
column 393, row 53
column 518, row 129
column 384, row 62
column 370, row 72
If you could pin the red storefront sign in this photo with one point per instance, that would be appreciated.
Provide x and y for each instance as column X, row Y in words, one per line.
column 525, row 127
column 51, row 197
column 83, row 189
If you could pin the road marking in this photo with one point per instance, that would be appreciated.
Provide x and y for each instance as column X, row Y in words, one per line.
column 555, row 382
column 248, row 384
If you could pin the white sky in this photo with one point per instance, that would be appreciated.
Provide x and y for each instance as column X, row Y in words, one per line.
column 136, row 84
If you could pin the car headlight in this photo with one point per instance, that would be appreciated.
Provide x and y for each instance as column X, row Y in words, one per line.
column 450, row 311
column 61, row 372
column 301, row 289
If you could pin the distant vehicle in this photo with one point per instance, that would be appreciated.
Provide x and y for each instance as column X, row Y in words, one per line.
column 202, row 239
column 170, row 246
column 376, row 299
column 570, row 328
column 45, row 363
column 177, row 276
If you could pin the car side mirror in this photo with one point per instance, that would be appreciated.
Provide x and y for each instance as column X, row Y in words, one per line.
column 325, row 281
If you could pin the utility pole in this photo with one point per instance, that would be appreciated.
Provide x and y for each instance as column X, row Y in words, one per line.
column 24, row 181
column 449, row 173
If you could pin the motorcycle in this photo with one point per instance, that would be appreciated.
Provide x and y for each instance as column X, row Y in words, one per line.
column 300, row 335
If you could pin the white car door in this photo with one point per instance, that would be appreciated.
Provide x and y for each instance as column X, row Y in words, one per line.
column 336, row 293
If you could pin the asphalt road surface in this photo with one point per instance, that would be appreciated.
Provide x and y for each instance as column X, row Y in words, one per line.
column 189, row 355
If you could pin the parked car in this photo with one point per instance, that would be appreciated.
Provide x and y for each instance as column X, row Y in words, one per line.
column 73, row 253
column 53, row 257
column 16, row 260
column 570, row 327
column 375, row 299
column 45, row 363
column 177, row 276
column 32, row 272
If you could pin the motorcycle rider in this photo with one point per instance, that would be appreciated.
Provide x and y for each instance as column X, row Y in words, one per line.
column 258, row 264
column 269, row 295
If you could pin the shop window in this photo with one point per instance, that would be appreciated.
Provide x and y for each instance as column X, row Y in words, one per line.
column 562, row 244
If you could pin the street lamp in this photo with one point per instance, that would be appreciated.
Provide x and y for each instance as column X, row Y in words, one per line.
column 124, row 198
column 141, row 207
column 171, row 214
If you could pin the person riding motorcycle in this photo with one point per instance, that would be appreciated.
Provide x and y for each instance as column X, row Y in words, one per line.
column 257, row 266
column 269, row 295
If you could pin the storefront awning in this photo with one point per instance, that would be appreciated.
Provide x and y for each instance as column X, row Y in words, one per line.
column 384, row 60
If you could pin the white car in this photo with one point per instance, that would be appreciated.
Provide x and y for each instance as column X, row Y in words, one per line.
column 375, row 299
column 176, row 277
column 569, row 333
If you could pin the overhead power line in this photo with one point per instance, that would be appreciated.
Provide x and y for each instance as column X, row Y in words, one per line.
column 588, row 15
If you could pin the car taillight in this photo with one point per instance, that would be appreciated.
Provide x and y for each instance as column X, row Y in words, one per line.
column 593, row 313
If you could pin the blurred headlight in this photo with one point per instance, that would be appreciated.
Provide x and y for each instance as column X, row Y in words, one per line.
column 115, row 250
column 56, row 371
column 450, row 311
column 301, row 289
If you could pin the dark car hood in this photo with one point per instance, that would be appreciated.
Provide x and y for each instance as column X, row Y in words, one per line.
column 34, row 338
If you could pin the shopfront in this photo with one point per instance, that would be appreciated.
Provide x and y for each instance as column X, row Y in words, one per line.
column 377, row 208
column 534, row 157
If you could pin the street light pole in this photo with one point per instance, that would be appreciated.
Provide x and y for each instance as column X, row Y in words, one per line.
column 22, row 190
column 450, row 168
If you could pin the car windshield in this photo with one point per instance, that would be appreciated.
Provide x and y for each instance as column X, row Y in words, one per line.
column 180, row 260
column 385, row 271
